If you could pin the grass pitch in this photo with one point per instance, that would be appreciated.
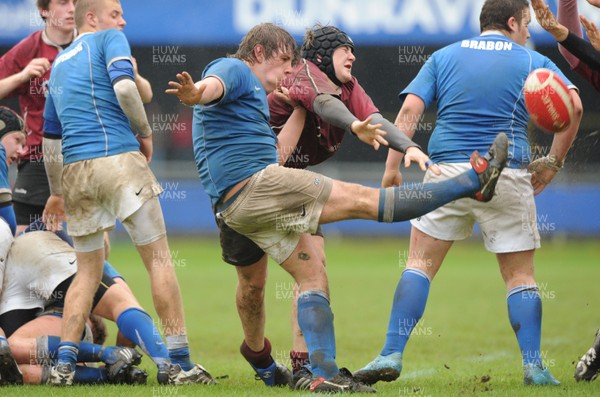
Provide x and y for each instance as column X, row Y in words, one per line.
column 463, row 346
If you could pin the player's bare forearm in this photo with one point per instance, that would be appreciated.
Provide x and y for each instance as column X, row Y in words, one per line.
column 406, row 121
column 9, row 84
column 53, row 163
column 144, row 88
column 563, row 141
column 287, row 140
column 36, row 68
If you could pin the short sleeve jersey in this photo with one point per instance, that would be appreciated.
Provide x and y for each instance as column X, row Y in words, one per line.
column 478, row 86
column 82, row 106
column 232, row 135
column 32, row 95
column 319, row 140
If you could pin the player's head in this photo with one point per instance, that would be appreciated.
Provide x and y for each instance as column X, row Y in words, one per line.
column 509, row 16
column 98, row 15
column 12, row 133
column 58, row 13
column 269, row 51
column 321, row 45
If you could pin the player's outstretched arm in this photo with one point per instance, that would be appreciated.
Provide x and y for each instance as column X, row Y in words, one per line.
column 204, row 91
column 544, row 169
column 333, row 111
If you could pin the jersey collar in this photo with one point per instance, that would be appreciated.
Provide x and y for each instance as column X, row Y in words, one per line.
column 49, row 42
column 493, row 32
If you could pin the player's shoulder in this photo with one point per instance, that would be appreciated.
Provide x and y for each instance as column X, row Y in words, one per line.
column 109, row 36
column 226, row 64
column 110, row 33
column 26, row 47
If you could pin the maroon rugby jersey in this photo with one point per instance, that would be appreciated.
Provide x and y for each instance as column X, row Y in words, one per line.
column 31, row 95
column 593, row 76
column 319, row 140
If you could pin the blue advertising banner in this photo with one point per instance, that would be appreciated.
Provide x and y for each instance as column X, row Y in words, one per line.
column 224, row 22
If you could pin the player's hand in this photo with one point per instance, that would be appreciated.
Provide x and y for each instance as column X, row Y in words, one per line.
column 542, row 172
column 592, row 31
column 37, row 67
column 369, row 133
column 146, row 147
column 186, row 90
column 595, row 3
column 414, row 154
column 54, row 213
column 391, row 178
column 546, row 19
column 283, row 94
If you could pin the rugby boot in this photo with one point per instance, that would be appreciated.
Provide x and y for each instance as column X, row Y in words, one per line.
column 343, row 382
column 274, row 375
column 489, row 167
column 537, row 375
column 382, row 368
column 61, row 374
column 173, row 374
column 119, row 362
column 588, row 366
column 10, row 374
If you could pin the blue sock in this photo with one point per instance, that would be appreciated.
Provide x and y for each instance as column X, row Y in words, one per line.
column 409, row 201
column 181, row 356
column 137, row 326
column 88, row 352
column 525, row 315
column 67, row 353
column 88, row 375
column 408, row 307
column 316, row 322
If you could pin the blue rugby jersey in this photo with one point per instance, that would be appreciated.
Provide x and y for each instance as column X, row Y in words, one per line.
column 232, row 136
column 81, row 104
column 478, row 86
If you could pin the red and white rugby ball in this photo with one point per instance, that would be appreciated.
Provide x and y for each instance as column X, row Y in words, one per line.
column 548, row 101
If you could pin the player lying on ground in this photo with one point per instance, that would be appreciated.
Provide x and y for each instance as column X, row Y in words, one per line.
column 236, row 156
column 32, row 288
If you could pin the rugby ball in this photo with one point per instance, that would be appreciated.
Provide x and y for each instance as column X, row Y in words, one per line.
column 548, row 101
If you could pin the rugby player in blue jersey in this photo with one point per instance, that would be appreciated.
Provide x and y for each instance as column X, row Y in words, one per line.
column 278, row 207
column 12, row 143
column 91, row 109
column 478, row 86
